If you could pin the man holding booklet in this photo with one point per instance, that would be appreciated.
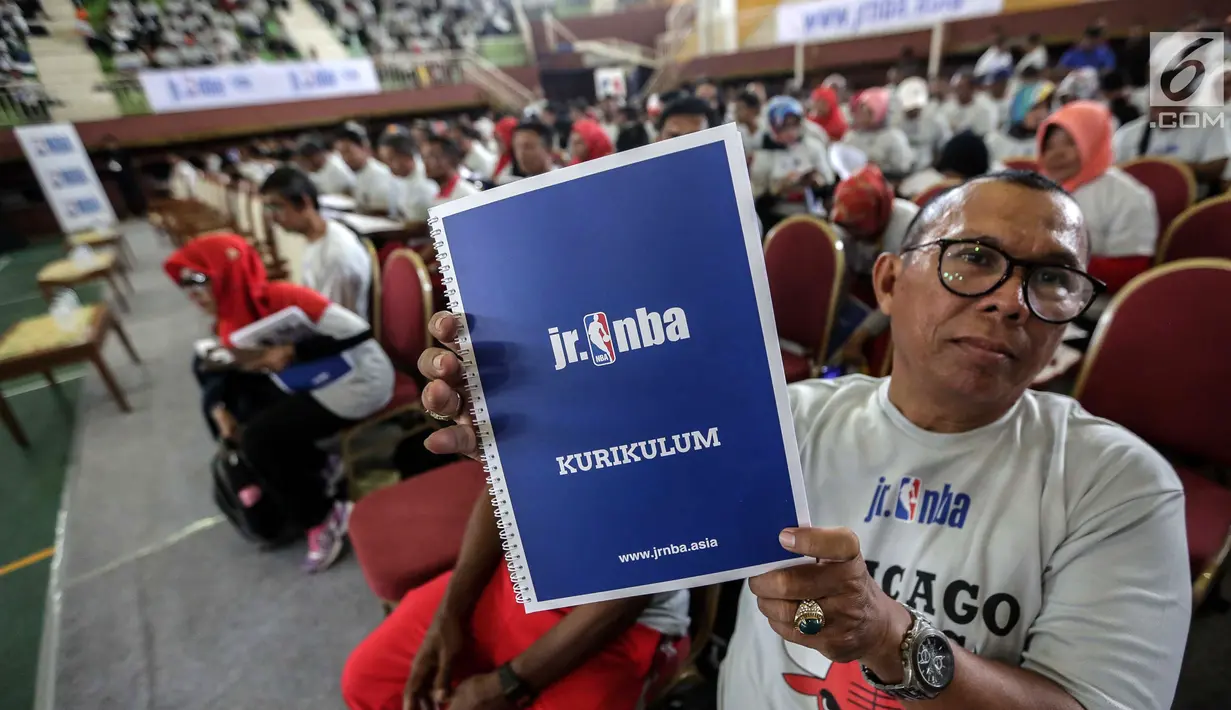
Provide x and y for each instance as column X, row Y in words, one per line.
column 986, row 546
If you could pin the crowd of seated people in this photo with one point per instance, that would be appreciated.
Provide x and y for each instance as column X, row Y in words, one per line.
column 462, row 639
column 416, row 25
column 17, row 23
column 183, row 33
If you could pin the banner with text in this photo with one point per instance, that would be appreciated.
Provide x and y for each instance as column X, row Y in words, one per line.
column 172, row 90
column 67, row 176
column 827, row 20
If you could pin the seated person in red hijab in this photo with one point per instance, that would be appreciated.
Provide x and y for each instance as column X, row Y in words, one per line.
column 274, row 429
column 588, row 141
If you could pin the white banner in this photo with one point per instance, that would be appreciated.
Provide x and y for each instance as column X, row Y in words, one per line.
column 609, row 81
column 67, row 176
column 171, row 90
column 827, row 20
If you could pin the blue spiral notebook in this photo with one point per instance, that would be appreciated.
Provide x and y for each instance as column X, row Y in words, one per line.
column 623, row 366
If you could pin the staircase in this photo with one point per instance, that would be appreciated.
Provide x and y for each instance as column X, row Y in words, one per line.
column 311, row 35
column 69, row 70
column 500, row 88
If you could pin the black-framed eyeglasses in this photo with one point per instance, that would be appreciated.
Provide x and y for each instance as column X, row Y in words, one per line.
column 973, row 268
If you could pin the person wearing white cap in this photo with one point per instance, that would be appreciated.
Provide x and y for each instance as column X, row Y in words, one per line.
column 925, row 128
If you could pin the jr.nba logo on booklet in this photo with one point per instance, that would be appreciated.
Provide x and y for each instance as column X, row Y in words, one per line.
column 1186, row 79
column 914, row 502
column 606, row 338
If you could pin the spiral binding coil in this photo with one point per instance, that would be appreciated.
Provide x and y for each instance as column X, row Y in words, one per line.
column 519, row 573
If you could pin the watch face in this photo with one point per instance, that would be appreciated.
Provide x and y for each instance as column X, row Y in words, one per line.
column 934, row 659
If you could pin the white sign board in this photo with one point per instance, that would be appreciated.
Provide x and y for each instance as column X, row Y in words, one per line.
column 828, row 20
column 171, row 90
column 610, row 81
column 67, row 176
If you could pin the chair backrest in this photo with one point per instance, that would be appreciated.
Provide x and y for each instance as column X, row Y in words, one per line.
column 405, row 308
column 1172, row 182
column 374, row 298
column 805, row 267
column 1203, row 230
column 1158, row 361
column 929, row 194
column 1021, row 162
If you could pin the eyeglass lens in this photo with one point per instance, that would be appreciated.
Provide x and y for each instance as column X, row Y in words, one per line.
column 1053, row 293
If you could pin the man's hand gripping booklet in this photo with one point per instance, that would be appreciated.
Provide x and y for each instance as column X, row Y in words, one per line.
column 623, row 370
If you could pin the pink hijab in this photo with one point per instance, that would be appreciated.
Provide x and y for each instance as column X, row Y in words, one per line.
column 877, row 101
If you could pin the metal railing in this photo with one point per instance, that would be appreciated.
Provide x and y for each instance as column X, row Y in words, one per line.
column 25, row 102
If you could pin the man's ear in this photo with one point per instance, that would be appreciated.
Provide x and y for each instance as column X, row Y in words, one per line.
column 885, row 274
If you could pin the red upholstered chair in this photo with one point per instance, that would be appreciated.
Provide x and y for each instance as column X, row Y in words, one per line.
column 1021, row 162
column 929, row 194
column 406, row 307
column 1172, row 182
column 1203, row 230
column 409, row 533
column 1137, row 373
column 805, row 267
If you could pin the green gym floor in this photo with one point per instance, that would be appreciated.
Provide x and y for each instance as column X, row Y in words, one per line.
column 30, row 482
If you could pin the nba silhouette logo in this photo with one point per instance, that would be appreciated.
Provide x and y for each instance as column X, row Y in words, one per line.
column 908, row 499
column 598, row 334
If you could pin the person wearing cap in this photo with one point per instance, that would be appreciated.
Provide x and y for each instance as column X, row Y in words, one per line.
column 921, row 122
column 967, row 109
column 789, row 165
column 885, row 145
column 1030, row 105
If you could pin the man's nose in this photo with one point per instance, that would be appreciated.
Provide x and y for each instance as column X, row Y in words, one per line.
column 1009, row 299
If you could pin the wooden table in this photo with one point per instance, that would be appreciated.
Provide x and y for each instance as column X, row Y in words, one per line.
column 67, row 273
column 106, row 237
column 39, row 344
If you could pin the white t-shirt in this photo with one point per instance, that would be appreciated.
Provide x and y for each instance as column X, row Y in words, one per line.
column 455, row 190
column 980, row 116
column 410, row 197
column 372, row 185
column 993, row 60
column 888, row 148
column 1120, row 214
column 480, row 160
column 338, row 267
column 1050, row 539
column 1001, row 145
column 1036, row 58
column 1197, row 144
column 752, row 139
column 334, row 177
column 927, row 133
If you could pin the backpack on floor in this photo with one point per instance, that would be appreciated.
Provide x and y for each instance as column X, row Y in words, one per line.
column 262, row 523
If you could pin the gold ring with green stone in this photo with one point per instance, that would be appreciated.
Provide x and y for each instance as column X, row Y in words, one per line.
column 809, row 618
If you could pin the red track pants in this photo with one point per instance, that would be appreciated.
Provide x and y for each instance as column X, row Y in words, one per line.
column 376, row 672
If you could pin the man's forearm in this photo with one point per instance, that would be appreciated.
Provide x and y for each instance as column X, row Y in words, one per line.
column 480, row 555
column 979, row 683
column 575, row 639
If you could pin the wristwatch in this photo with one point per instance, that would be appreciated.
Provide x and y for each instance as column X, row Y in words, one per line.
column 927, row 663
column 516, row 690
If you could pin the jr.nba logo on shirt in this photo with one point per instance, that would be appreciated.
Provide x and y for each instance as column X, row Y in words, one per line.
column 916, row 503
column 602, row 350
